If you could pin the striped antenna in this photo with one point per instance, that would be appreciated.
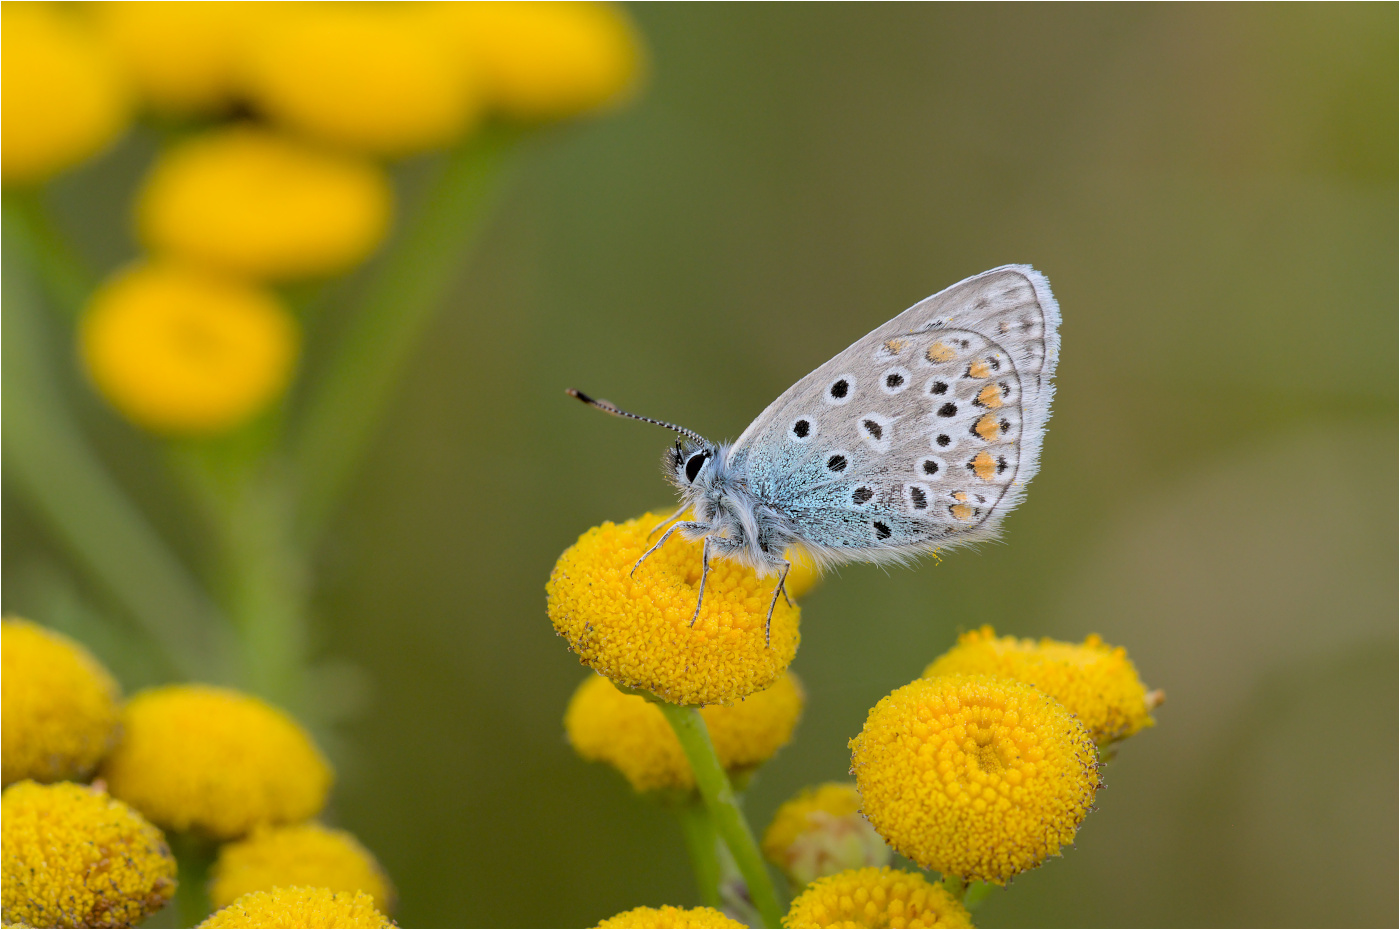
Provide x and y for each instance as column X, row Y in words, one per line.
column 609, row 407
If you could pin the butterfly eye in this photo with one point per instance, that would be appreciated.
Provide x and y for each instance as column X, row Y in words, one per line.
column 692, row 467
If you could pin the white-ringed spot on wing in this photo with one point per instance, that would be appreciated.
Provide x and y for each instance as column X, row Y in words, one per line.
column 840, row 390
column 930, row 466
column 838, row 462
column 862, row 495
column 876, row 430
column 881, row 528
column 917, row 497
column 895, row 380
column 802, row 429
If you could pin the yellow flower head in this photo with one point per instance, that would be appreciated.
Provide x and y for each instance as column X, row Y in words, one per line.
column 380, row 78
column 876, row 897
column 821, row 832
column 976, row 777
column 308, row 855
column 630, row 734
column 637, row 631
column 300, row 907
column 253, row 203
column 667, row 916
column 63, row 98
column 58, row 706
column 178, row 350
column 194, row 757
column 1095, row 682
column 74, row 857
column 544, row 60
column 182, row 56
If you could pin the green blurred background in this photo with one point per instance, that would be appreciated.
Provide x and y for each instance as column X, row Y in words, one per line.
column 1211, row 191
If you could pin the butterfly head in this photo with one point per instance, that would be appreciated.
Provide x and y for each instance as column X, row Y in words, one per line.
column 691, row 462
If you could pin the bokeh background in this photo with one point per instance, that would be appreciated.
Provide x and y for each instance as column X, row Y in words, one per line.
column 1211, row 191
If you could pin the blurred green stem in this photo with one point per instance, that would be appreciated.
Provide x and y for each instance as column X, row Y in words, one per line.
column 955, row 886
column 723, row 806
column 193, row 857
column 64, row 277
column 976, row 894
column 346, row 400
column 701, row 840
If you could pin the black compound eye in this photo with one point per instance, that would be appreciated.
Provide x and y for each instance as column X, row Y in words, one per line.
column 692, row 467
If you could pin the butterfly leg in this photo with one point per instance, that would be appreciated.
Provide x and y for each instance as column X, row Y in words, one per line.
column 768, row 624
column 704, row 573
column 667, row 520
column 662, row 541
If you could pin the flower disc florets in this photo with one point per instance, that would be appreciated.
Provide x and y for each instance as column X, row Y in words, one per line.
column 636, row 629
column 822, row 832
column 975, row 777
column 657, row 918
column 306, row 855
column 300, row 907
column 872, row 897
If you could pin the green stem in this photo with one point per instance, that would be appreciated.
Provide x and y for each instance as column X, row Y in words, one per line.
column 193, row 857
column 701, row 840
column 723, row 806
column 955, row 886
column 976, row 894
column 346, row 400
column 65, row 278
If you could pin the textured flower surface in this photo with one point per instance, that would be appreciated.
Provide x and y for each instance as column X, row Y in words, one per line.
column 637, row 630
column 630, row 734
column 74, row 857
column 1095, row 682
column 822, row 832
column 300, row 907
column 975, row 777
column 308, row 854
column 667, row 916
column 876, row 897
column 58, row 705
column 194, row 757
column 251, row 202
column 178, row 350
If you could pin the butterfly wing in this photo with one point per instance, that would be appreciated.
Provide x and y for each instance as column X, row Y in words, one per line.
column 923, row 433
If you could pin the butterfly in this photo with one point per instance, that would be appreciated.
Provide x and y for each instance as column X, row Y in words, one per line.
column 920, row 436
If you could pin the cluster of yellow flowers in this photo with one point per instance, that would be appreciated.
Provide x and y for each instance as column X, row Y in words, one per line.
column 208, row 762
column 979, row 770
column 278, row 119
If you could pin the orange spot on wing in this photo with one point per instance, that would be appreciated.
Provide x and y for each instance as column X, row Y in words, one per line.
column 990, row 396
column 959, row 496
column 896, row 346
column 938, row 352
column 987, row 427
column 961, row 512
column 979, row 369
column 984, row 466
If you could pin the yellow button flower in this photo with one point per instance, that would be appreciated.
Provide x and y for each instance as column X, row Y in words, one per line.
column 74, row 857
column 822, row 832
column 63, row 98
column 630, row 734
column 194, row 757
column 876, row 897
column 308, row 854
column 380, row 78
column 637, row 631
column 178, row 350
column 183, row 57
column 300, row 907
column 667, row 916
column 544, row 60
column 253, row 203
column 976, row 777
column 1095, row 682
column 58, row 706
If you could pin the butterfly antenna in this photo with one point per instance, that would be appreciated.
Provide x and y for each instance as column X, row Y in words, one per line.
column 609, row 407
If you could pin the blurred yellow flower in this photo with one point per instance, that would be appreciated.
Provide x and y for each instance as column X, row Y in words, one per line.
column 975, row 777
column 194, row 757
column 546, row 60
column 74, row 857
column 667, row 916
column 821, row 832
column 630, row 734
column 254, row 203
column 876, row 897
column 308, row 854
column 300, row 907
column 637, row 631
column 1095, row 682
column 381, row 78
column 63, row 99
column 183, row 57
column 58, row 705
column 183, row 351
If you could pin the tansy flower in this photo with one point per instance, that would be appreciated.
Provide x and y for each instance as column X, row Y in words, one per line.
column 63, row 97
column 74, row 857
column 183, row 57
column 1095, row 682
column 194, row 757
column 667, row 916
column 543, row 60
column 637, row 630
column 253, row 203
column 821, row 832
column 308, row 855
column 976, row 777
column 380, row 78
column 300, row 907
column 876, row 897
column 630, row 734
column 178, row 350
column 57, row 703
